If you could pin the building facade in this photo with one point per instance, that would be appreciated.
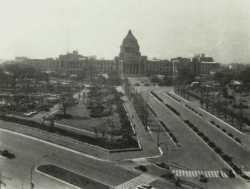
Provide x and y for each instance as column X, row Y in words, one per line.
column 130, row 62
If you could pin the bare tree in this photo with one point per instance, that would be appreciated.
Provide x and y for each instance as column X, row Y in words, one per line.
column 95, row 131
column 66, row 102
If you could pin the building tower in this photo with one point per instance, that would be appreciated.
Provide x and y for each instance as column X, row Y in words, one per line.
column 130, row 56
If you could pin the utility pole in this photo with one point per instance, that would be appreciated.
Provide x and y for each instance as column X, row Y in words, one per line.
column 146, row 112
column 233, row 113
column 158, row 137
column 1, row 181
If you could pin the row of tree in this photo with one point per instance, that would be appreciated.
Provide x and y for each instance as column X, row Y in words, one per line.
column 12, row 73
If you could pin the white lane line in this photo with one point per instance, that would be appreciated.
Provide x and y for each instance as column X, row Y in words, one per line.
column 222, row 121
column 179, row 96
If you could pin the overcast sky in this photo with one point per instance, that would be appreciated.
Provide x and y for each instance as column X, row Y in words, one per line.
column 164, row 28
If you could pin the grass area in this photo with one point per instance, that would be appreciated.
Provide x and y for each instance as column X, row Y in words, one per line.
column 71, row 177
column 82, row 120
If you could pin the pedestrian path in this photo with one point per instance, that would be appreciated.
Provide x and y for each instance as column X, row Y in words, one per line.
column 186, row 173
column 143, row 179
column 141, row 161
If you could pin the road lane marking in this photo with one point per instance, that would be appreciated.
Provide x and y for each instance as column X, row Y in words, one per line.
column 137, row 181
column 209, row 174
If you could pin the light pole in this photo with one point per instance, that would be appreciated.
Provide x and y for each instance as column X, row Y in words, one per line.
column 166, row 156
column 31, row 170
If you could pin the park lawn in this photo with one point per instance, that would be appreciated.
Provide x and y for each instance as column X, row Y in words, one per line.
column 82, row 120
column 71, row 177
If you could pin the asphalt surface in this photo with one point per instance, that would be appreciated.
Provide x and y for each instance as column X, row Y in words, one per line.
column 194, row 155
column 29, row 153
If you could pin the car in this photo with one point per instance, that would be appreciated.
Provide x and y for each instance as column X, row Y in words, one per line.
column 229, row 172
column 145, row 186
column 7, row 154
column 202, row 178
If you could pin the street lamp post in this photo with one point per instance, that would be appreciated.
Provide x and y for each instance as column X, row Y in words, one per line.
column 166, row 156
column 31, row 170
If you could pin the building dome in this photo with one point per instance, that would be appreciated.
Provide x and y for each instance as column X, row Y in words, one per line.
column 130, row 37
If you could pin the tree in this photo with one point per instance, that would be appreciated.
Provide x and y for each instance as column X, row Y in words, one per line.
column 103, row 129
column 185, row 75
column 66, row 101
column 114, row 78
column 95, row 131
column 52, row 125
column 88, row 71
column 244, row 75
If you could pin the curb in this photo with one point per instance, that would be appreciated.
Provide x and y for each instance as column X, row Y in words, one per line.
column 236, row 175
column 223, row 122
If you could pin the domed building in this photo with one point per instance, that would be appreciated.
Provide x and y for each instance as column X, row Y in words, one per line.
column 131, row 61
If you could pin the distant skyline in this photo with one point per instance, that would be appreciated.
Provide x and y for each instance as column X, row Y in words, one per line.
column 164, row 29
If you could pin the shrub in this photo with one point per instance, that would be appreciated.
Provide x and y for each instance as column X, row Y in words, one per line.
column 174, row 139
column 212, row 122
column 218, row 150
column 238, row 140
column 224, row 130
column 195, row 129
column 205, row 138
column 63, row 115
column 211, row 144
column 230, row 134
column 167, row 129
column 201, row 134
column 226, row 158
column 217, row 126
column 187, row 121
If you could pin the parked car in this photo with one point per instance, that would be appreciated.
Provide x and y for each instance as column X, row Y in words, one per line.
column 202, row 178
column 145, row 186
column 229, row 172
column 7, row 154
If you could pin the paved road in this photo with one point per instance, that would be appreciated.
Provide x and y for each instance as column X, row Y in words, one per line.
column 241, row 155
column 193, row 155
column 29, row 151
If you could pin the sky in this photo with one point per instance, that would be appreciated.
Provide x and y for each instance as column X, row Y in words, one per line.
column 163, row 28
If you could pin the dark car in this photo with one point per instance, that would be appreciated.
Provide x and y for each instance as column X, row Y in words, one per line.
column 7, row 154
column 202, row 178
column 229, row 172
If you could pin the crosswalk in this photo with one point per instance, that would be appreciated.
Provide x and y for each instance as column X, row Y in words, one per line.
column 211, row 174
column 137, row 181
